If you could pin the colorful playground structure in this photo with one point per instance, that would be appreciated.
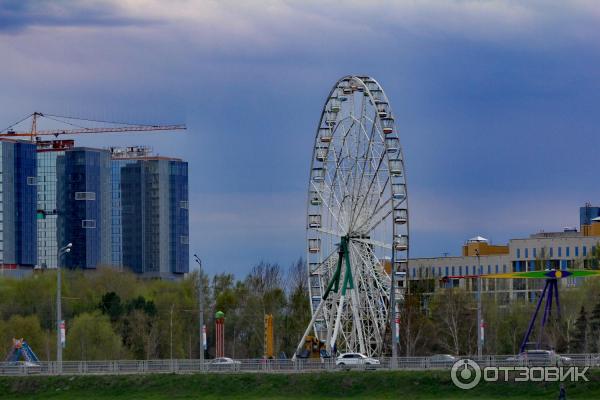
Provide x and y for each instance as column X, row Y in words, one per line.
column 22, row 352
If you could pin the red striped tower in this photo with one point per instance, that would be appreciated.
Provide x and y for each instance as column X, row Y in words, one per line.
column 220, row 334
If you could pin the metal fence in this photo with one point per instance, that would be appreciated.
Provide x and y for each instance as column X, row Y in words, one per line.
column 118, row 367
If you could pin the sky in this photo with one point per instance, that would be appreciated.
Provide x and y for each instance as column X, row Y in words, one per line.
column 497, row 104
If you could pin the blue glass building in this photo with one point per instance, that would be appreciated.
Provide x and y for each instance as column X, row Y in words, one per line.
column 84, row 202
column 47, row 207
column 18, row 233
column 154, row 216
column 116, row 221
column 587, row 213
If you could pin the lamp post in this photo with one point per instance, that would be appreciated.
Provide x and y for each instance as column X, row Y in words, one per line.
column 201, row 307
column 479, row 314
column 62, row 251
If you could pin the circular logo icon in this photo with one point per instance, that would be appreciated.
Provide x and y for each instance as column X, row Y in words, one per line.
column 465, row 374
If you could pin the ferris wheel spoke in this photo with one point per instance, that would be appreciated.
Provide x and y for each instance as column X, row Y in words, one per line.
column 327, row 206
column 360, row 208
column 348, row 156
column 329, row 232
column 379, row 220
column 338, row 174
column 333, row 194
column 369, row 281
column 339, row 217
column 375, row 209
column 366, row 159
column 374, row 243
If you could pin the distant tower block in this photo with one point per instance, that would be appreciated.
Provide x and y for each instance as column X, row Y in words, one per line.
column 220, row 334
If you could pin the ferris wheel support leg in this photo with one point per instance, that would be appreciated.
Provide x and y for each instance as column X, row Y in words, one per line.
column 358, row 326
column 308, row 329
column 338, row 320
column 331, row 323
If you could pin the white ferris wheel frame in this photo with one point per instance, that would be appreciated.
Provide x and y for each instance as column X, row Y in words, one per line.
column 349, row 150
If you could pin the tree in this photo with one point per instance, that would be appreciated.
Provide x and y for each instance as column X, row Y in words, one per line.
column 297, row 313
column 454, row 320
column 111, row 306
column 91, row 337
column 579, row 339
column 414, row 326
column 512, row 326
column 595, row 329
column 140, row 328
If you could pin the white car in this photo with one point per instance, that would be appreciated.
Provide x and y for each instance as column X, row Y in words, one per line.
column 224, row 364
column 354, row 360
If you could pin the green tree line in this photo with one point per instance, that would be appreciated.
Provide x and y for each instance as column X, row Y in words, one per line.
column 446, row 322
column 116, row 315
column 112, row 314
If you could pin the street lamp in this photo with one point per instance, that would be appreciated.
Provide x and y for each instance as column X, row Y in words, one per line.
column 479, row 312
column 62, row 251
column 201, row 307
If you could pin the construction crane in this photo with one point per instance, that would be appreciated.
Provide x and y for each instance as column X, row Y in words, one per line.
column 34, row 134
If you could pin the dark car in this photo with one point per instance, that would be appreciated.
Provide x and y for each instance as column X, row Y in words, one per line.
column 442, row 360
column 540, row 358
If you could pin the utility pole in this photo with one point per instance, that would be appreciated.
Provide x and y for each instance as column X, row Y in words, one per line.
column 171, row 331
column 201, row 308
column 59, row 323
column 479, row 314
column 393, row 311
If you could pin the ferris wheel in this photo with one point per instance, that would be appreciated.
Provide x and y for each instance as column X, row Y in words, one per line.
column 357, row 220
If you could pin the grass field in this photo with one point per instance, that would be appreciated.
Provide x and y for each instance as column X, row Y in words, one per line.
column 332, row 385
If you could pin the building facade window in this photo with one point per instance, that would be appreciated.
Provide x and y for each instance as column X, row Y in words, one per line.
column 86, row 196
column 560, row 252
column 576, row 251
column 567, row 251
column 526, row 253
column 534, row 252
column 551, row 252
column 518, row 253
column 88, row 223
column 584, row 251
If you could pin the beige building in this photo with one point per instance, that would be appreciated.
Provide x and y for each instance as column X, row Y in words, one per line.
column 557, row 250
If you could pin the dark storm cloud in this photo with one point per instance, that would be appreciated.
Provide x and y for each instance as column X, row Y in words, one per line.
column 495, row 102
column 18, row 15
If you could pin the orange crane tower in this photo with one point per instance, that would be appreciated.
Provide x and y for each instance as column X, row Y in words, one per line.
column 34, row 134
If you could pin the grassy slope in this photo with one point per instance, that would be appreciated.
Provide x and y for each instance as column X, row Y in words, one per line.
column 372, row 385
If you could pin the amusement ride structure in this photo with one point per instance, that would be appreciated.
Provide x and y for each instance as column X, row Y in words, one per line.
column 357, row 221
column 20, row 350
column 549, row 297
